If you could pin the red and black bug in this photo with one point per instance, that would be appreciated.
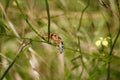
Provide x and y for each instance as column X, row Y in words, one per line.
column 55, row 37
column 58, row 39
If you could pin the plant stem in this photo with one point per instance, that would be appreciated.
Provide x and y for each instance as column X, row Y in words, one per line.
column 15, row 59
column 28, row 21
column 114, row 42
column 80, row 21
column 110, row 54
column 78, row 38
column 48, row 14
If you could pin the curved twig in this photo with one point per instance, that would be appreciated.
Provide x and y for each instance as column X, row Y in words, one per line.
column 80, row 21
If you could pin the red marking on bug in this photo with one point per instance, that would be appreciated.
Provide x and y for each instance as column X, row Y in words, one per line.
column 58, row 39
column 54, row 37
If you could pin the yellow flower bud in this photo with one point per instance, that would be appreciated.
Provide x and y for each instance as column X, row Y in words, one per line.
column 98, row 43
column 105, row 43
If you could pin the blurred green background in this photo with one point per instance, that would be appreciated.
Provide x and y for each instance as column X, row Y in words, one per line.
column 82, row 59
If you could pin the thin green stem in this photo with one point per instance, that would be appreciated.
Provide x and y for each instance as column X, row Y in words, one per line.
column 78, row 38
column 30, row 25
column 110, row 54
column 114, row 42
column 15, row 59
column 111, row 51
column 81, row 73
column 113, row 45
column 48, row 14
column 24, row 38
column 80, row 21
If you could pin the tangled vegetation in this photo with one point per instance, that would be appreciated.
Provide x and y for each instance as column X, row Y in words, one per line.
column 59, row 39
